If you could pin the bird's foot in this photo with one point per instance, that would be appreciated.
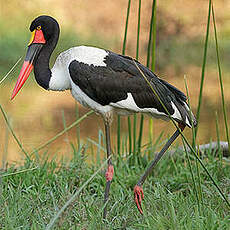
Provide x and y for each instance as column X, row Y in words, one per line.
column 109, row 173
column 138, row 196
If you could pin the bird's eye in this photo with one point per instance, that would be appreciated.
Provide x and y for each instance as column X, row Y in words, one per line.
column 38, row 27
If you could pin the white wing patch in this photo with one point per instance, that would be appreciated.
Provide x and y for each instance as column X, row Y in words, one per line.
column 130, row 105
column 176, row 114
column 90, row 55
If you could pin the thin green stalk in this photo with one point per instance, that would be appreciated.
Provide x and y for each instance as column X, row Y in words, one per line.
column 200, row 197
column 18, row 172
column 185, row 139
column 150, row 32
column 203, row 69
column 199, row 181
column 153, row 66
column 192, row 175
column 153, row 43
column 5, row 150
column 12, row 132
column 64, row 125
column 134, row 133
column 137, row 57
column 78, row 126
column 138, row 30
column 126, row 28
column 98, row 156
column 140, row 133
column 153, row 61
column 123, row 52
column 218, row 139
column 221, row 80
column 152, row 24
column 62, row 132
column 130, row 134
column 58, row 214
column 2, row 80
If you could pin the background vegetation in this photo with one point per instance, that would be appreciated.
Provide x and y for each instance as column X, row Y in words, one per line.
column 179, row 52
column 179, row 194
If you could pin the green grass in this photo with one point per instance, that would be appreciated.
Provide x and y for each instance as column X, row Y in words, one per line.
column 30, row 198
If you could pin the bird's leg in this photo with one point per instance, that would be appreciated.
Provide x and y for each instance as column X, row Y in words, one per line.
column 110, row 170
column 138, row 190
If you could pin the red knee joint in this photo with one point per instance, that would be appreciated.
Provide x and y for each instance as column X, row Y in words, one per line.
column 181, row 126
column 109, row 173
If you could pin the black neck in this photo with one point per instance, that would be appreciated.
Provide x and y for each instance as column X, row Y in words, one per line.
column 42, row 70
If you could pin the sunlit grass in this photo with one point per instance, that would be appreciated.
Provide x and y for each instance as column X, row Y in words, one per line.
column 40, row 188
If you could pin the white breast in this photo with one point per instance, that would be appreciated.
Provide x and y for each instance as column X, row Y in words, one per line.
column 60, row 79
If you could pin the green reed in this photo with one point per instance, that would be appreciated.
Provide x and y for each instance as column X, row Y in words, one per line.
column 151, row 42
column 137, row 57
column 220, row 79
column 13, row 133
column 123, row 52
column 203, row 68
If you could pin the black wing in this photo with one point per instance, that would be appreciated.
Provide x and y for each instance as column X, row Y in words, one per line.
column 120, row 76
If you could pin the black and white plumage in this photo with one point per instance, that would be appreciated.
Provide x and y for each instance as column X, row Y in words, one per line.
column 107, row 82
column 104, row 81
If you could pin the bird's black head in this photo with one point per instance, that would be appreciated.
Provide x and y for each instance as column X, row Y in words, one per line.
column 47, row 25
column 45, row 33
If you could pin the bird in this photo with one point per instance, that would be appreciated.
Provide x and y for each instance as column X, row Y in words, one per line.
column 108, row 83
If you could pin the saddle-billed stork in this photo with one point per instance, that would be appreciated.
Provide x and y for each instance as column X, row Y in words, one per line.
column 106, row 82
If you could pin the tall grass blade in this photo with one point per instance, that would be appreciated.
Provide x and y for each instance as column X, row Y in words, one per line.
column 78, row 126
column 140, row 133
column 154, row 29
column 18, row 172
column 5, row 150
column 3, row 79
column 152, row 24
column 63, row 131
column 58, row 214
column 123, row 52
column 64, row 125
column 126, row 27
column 137, row 57
column 134, row 133
column 221, row 80
column 100, row 138
column 203, row 69
column 192, row 174
column 138, row 30
column 199, row 190
column 12, row 132
column 150, row 32
column 130, row 134
column 218, row 139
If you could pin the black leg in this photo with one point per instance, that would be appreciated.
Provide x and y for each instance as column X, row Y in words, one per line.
column 109, row 171
column 138, row 190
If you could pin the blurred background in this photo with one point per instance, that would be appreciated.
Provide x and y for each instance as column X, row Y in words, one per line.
column 37, row 115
